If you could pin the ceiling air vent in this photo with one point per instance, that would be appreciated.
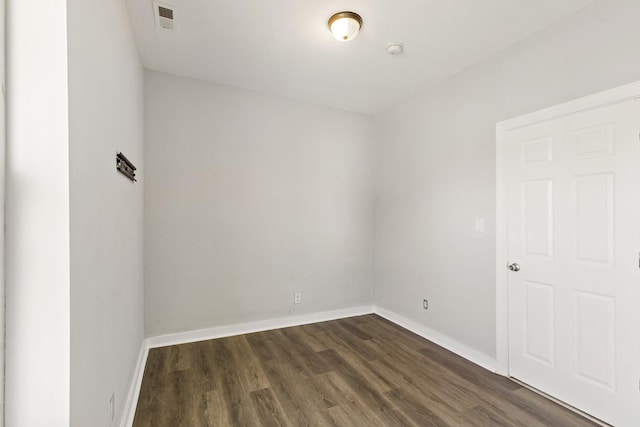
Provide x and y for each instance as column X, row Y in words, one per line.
column 165, row 15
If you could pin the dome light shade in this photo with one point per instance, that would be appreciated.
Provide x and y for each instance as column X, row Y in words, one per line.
column 345, row 25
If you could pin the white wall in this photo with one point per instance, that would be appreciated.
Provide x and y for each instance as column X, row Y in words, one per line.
column 248, row 199
column 107, row 297
column 37, row 216
column 435, row 169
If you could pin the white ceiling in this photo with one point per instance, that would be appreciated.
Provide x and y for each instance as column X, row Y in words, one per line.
column 284, row 47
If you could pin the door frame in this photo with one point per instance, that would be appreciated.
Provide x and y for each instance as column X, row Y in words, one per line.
column 601, row 99
column 3, row 169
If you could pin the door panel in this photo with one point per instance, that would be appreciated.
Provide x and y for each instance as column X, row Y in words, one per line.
column 539, row 324
column 573, row 188
column 538, row 217
column 595, row 332
column 592, row 197
column 593, row 141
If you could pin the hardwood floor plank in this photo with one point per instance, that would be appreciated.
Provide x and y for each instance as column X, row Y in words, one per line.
column 482, row 416
column 303, row 404
column 554, row 415
column 497, row 391
column 202, row 367
column 381, row 327
column 445, row 400
column 451, row 362
column 299, row 352
column 353, row 327
column 177, row 358
column 352, row 341
column 174, row 387
column 268, row 410
column 447, row 393
column 251, row 376
column 214, row 409
column 259, row 344
column 348, row 401
column 310, row 336
column 234, row 395
column 371, row 397
column 359, row 362
column 418, row 412
column 340, row 417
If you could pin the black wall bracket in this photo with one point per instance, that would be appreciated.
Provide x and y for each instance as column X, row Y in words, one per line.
column 125, row 167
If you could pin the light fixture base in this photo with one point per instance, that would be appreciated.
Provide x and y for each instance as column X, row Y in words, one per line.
column 345, row 25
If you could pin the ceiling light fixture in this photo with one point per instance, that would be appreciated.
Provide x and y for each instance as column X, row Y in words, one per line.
column 345, row 25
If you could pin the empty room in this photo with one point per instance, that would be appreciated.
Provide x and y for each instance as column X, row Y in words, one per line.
column 323, row 213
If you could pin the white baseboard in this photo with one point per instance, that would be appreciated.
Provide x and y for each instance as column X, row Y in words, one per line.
column 442, row 340
column 251, row 327
column 134, row 390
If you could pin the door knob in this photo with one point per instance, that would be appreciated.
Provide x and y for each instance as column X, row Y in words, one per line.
column 514, row 267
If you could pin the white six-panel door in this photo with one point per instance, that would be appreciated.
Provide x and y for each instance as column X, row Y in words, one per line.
column 573, row 191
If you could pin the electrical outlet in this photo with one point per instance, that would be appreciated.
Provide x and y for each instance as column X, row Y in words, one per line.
column 112, row 408
column 425, row 304
column 297, row 298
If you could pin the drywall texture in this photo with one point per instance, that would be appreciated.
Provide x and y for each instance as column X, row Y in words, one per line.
column 105, row 117
column 37, row 216
column 248, row 199
column 435, row 165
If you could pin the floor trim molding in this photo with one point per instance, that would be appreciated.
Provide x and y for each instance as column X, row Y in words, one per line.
column 439, row 338
column 259, row 326
column 134, row 389
column 442, row 340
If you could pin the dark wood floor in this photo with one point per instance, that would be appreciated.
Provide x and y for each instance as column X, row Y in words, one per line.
column 361, row 371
